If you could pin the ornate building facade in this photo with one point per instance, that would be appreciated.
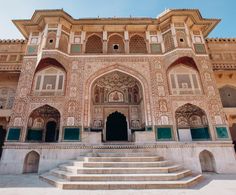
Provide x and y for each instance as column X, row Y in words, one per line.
column 76, row 85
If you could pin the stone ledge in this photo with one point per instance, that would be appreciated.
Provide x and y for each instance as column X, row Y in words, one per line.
column 11, row 145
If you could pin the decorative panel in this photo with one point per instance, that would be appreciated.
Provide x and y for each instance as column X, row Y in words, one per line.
column 32, row 50
column 156, row 48
column 168, row 41
column 222, row 133
column 200, row 48
column 75, row 48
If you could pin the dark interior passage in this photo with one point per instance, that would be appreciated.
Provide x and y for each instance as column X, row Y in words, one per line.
column 2, row 138
column 116, row 127
column 51, row 133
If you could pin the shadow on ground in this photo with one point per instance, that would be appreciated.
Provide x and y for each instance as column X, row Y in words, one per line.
column 24, row 181
column 210, row 177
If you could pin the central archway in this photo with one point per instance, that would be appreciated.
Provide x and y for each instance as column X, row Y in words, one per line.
column 117, row 91
column 116, row 127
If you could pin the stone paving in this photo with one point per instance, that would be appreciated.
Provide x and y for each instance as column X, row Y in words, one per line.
column 30, row 184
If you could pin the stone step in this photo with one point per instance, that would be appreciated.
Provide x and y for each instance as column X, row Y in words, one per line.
column 121, row 177
column 123, row 170
column 123, row 164
column 112, row 185
column 123, row 159
column 120, row 154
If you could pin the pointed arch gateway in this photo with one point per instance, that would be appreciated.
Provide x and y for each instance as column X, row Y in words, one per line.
column 116, row 96
column 43, row 125
column 192, row 123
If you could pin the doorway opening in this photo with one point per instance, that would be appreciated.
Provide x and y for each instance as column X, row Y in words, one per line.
column 2, row 138
column 207, row 161
column 51, row 133
column 31, row 163
column 116, row 127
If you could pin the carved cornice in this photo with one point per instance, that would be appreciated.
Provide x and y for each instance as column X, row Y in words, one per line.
column 221, row 40
column 13, row 41
column 11, row 67
column 224, row 66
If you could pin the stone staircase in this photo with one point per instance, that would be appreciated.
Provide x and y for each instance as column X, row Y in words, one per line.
column 108, row 171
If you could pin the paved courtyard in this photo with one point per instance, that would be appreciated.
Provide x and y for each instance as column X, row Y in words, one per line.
column 30, row 184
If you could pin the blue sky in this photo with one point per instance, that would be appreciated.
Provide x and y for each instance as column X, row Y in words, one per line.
column 23, row 9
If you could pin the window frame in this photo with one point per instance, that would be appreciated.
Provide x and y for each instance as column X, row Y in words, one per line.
column 178, row 89
column 42, row 74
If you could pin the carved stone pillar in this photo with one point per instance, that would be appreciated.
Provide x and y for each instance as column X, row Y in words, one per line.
column 58, row 35
column 104, row 38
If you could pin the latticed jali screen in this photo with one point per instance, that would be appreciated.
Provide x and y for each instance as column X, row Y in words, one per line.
column 137, row 44
column 168, row 41
column 94, row 44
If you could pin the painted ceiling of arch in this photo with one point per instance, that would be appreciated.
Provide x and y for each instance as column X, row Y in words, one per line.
column 188, row 110
column 116, row 80
column 46, row 110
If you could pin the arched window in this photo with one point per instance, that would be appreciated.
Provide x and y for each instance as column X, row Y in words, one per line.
column 228, row 96
column 181, row 38
column 51, row 40
column 116, row 44
column 94, row 44
column 184, row 80
column 49, row 81
column 137, row 44
column 7, row 96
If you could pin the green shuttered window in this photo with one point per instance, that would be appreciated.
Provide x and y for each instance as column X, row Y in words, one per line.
column 13, row 134
column 200, row 133
column 164, row 133
column 222, row 133
column 72, row 134
column 35, row 135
